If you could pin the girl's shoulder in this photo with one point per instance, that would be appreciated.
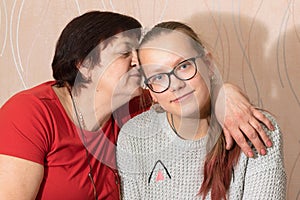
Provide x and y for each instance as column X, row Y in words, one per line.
column 275, row 135
column 142, row 124
column 274, row 154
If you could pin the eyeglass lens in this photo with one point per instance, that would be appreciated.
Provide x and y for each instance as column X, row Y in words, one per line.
column 185, row 70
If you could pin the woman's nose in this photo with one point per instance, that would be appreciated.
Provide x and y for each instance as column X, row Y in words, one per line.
column 134, row 59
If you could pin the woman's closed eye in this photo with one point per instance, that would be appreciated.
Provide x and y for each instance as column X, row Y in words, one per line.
column 126, row 53
column 124, row 50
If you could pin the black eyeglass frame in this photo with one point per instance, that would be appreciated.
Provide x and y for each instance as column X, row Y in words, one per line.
column 172, row 72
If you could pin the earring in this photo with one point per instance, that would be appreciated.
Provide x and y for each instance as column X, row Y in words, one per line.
column 143, row 85
column 212, row 78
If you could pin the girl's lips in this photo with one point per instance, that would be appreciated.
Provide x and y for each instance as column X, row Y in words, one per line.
column 182, row 97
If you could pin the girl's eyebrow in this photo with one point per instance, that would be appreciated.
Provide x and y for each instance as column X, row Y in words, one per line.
column 178, row 61
column 153, row 68
column 174, row 64
column 162, row 68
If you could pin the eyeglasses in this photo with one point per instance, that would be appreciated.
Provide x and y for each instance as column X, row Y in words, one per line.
column 185, row 70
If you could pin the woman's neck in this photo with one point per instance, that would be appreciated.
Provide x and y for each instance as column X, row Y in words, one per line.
column 189, row 128
column 81, row 108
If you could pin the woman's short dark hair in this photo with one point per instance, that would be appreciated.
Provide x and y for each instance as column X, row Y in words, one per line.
column 80, row 39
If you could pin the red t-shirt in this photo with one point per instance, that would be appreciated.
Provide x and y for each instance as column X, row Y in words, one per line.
column 35, row 127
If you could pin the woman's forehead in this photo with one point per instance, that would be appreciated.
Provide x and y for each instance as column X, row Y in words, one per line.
column 127, row 39
column 121, row 39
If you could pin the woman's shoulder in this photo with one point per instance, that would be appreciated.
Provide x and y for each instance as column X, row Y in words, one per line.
column 30, row 106
column 41, row 91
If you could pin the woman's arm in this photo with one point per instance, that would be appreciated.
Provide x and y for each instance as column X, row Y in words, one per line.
column 19, row 179
column 23, row 146
column 240, row 119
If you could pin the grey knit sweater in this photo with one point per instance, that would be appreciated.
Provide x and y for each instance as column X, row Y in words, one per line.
column 154, row 163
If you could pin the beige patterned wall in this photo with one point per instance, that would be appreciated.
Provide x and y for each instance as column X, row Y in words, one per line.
column 257, row 43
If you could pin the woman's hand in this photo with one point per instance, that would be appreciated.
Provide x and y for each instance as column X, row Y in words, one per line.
column 240, row 119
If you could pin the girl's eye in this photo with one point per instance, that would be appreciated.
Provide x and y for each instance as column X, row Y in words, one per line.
column 156, row 78
column 184, row 66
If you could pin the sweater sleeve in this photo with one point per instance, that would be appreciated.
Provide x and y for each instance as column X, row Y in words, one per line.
column 265, row 175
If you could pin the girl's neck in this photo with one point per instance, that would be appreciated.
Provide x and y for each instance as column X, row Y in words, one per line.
column 189, row 128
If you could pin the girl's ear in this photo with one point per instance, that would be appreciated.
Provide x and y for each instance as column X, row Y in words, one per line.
column 154, row 99
column 208, row 60
column 155, row 105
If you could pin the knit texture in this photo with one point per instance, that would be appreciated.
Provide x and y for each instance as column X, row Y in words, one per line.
column 155, row 163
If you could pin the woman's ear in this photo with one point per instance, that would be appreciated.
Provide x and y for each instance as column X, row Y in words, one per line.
column 85, row 69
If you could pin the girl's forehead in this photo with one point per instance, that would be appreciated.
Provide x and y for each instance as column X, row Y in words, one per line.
column 157, row 60
column 173, row 43
column 158, row 54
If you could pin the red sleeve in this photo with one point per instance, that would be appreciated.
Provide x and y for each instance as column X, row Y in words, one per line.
column 136, row 106
column 140, row 104
column 24, row 128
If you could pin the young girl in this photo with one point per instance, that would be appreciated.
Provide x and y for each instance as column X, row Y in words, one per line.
column 180, row 153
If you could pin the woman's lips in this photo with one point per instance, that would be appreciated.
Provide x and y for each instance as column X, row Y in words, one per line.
column 182, row 97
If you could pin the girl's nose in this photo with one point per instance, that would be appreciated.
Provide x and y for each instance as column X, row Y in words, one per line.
column 176, row 83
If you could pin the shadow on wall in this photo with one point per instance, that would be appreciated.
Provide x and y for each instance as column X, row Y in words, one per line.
column 282, row 67
column 269, row 74
column 237, row 43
